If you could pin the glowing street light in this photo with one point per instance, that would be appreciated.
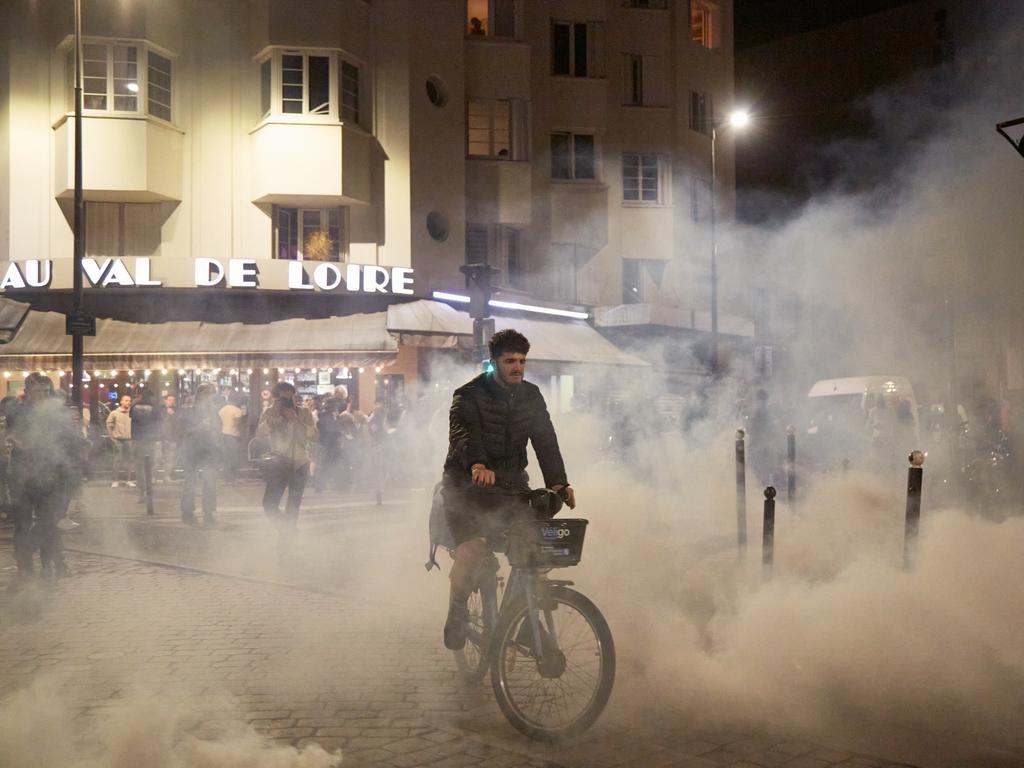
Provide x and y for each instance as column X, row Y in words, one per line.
column 738, row 119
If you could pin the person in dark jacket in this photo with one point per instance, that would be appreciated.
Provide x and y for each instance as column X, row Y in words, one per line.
column 44, row 452
column 200, row 454
column 491, row 420
column 145, row 418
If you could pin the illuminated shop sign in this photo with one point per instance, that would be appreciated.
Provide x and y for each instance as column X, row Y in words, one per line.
column 218, row 273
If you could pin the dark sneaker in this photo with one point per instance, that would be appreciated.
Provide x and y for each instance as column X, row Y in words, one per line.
column 455, row 626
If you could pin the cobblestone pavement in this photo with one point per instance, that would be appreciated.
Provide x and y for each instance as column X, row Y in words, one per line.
column 302, row 653
column 304, row 668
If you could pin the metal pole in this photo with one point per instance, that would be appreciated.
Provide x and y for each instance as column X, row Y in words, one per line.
column 714, row 258
column 915, row 479
column 791, row 466
column 147, row 478
column 768, row 533
column 741, row 491
column 77, row 346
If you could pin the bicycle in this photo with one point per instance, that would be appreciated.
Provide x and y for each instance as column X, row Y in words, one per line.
column 549, row 649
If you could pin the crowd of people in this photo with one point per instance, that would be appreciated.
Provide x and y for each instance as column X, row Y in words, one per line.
column 48, row 452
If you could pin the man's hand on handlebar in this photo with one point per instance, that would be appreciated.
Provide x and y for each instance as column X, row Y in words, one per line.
column 482, row 475
column 567, row 493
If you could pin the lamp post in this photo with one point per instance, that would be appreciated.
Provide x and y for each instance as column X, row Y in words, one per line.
column 738, row 119
column 75, row 328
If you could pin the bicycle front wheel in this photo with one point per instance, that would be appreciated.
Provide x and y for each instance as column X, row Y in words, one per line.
column 561, row 694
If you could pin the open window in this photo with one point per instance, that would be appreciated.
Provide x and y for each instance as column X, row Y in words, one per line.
column 706, row 23
column 491, row 18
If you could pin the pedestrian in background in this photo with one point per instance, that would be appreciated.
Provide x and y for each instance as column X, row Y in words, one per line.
column 289, row 433
column 200, row 453
column 44, row 448
column 145, row 431
column 170, row 434
column 119, row 430
column 231, row 435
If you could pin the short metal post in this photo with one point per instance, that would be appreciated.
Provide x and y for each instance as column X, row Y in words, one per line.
column 741, row 490
column 147, row 478
column 791, row 466
column 768, row 532
column 915, row 479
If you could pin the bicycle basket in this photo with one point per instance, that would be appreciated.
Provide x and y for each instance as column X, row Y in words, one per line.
column 546, row 543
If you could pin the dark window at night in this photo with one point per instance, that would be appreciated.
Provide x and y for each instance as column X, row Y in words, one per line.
column 701, row 112
column 308, row 234
column 158, row 86
column 575, row 48
column 652, row 4
column 572, row 156
column 476, row 244
column 640, row 178
column 632, row 286
column 633, row 77
column 349, row 92
column 265, row 87
column 491, row 18
column 291, row 84
column 488, row 128
column 318, row 100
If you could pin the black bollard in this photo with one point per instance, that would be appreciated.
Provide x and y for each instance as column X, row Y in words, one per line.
column 741, row 490
column 768, row 533
column 915, row 479
column 791, row 467
column 147, row 478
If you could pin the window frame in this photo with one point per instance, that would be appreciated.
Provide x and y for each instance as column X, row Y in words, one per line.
column 143, row 50
column 335, row 113
column 324, row 213
column 702, row 112
column 489, row 21
column 573, row 157
column 662, row 176
column 711, row 27
column 593, row 54
column 493, row 145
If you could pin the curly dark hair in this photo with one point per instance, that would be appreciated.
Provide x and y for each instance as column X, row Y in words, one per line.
column 508, row 340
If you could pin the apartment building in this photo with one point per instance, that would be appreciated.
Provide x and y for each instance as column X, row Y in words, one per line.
column 250, row 161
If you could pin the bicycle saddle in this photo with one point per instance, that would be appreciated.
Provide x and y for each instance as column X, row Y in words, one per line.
column 545, row 502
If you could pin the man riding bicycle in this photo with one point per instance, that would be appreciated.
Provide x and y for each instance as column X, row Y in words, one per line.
column 491, row 419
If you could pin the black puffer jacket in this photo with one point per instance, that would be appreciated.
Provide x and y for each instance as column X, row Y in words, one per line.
column 490, row 424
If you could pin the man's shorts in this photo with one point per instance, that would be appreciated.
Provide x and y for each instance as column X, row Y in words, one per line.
column 474, row 512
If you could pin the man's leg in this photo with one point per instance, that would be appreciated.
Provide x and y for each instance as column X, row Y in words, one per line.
column 468, row 557
column 296, row 487
column 24, row 538
column 276, row 482
column 188, row 490
column 209, row 484
column 51, row 550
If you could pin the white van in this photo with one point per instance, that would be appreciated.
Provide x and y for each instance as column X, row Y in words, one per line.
column 837, row 414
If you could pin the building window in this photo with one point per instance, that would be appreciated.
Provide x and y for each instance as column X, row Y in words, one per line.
column 576, row 48
column 702, row 113
column 313, row 84
column 644, row 178
column 705, row 23
column 632, row 282
column 114, row 80
column 159, row 90
column 349, row 92
column 660, row 5
column 489, row 128
column 477, row 244
column 491, row 18
column 309, row 234
column 573, row 156
column 645, row 80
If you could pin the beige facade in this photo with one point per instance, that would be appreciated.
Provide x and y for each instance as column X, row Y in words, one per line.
column 565, row 141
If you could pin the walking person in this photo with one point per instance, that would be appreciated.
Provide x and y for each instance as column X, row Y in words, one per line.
column 119, row 430
column 170, row 434
column 200, row 452
column 289, row 432
column 44, row 447
column 231, row 435
column 145, row 430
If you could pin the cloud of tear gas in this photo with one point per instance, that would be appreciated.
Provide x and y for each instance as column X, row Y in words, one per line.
column 36, row 728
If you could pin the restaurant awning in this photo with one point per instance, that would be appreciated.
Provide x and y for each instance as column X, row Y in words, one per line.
column 433, row 323
column 12, row 315
column 352, row 340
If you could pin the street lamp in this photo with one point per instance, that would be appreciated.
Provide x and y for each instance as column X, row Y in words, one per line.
column 75, row 319
column 738, row 120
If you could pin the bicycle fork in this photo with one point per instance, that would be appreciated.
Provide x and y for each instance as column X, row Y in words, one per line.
column 544, row 637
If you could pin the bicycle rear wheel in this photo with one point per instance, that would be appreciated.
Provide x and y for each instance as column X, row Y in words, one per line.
column 472, row 660
column 561, row 695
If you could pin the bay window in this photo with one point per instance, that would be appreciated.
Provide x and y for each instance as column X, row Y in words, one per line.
column 122, row 78
column 313, row 84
